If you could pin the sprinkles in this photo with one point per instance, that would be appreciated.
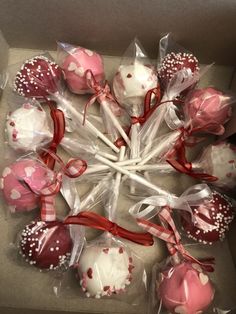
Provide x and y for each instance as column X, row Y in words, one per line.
column 39, row 244
column 174, row 62
column 37, row 78
column 213, row 220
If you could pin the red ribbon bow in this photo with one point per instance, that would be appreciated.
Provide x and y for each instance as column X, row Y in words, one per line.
column 170, row 235
column 96, row 221
column 58, row 134
column 99, row 91
column 177, row 157
column 148, row 109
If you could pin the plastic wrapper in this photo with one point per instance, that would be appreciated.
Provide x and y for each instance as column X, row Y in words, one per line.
column 215, row 164
column 31, row 128
column 41, row 78
column 205, row 213
column 84, row 73
column 135, row 77
column 28, row 127
column 180, row 284
column 46, row 242
column 183, row 288
column 177, row 71
column 206, row 111
column 28, row 179
column 106, row 266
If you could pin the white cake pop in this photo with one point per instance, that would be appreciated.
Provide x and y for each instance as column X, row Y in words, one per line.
column 104, row 270
column 220, row 161
column 132, row 82
column 27, row 128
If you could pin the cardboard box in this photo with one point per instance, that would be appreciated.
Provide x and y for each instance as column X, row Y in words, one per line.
column 207, row 28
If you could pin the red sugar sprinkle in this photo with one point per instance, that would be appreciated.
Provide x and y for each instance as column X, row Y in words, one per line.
column 121, row 250
column 90, row 273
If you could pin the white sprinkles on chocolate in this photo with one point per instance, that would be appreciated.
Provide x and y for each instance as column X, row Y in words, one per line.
column 213, row 219
column 37, row 77
column 174, row 62
column 39, row 245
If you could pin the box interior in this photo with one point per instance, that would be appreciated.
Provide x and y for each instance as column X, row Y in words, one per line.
column 31, row 28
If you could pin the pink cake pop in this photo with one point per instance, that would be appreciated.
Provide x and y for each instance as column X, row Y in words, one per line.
column 213, row 219
column 208, row 105
column 14, row 178
column 46, row 245
column 174, row 62
column 84, row 73
column 76, row 63
column 185, row 289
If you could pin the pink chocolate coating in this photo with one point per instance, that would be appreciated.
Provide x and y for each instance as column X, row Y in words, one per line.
column 76, row 63
column 17, row 194
column 185, row 289
column 208, row 106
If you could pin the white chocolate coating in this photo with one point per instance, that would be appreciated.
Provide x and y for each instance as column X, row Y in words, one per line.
column 104, row 270
column 220, row 161
column 27, row 128
column 132, row 82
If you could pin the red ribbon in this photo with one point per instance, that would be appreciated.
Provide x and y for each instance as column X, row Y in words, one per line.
column 58, row 134
column 169, row 234
column 148, row 109
column 73, row 169
column 98, row 91
column 93, row 220
column 177, row 157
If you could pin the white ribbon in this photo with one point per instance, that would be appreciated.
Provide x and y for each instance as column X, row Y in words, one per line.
column 194, row 196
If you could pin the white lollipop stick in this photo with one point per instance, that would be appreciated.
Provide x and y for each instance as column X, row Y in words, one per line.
column 116, row 188
column 96, row 191
column 97, row 168
column 160, row 148
column 157, row 118
column 88, row 124
column 75, row 146
column 105, row 106
column 135, row 147
column 133, row 176
column 158, row 167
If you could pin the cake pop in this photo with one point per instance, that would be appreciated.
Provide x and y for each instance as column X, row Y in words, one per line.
column 185, row 289
column 84, row 73
column 46, row 245
column 207, row 105
column 27, row 128
column 174, row 62
column 206, row 110
column 75, row 65
column 18, row 180
column 212, row 219
column 219, row 160
column 104, row 271
column 38, row 77
column 131, row 83
column 41, row 78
